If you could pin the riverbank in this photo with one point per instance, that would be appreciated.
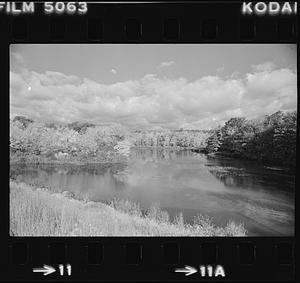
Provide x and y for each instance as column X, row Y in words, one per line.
column 105, row 156
column 39, row 212
column 108, row 156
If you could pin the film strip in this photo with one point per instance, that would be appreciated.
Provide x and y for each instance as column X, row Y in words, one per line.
column 140, row 258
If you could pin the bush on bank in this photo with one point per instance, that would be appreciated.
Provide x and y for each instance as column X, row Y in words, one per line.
column 39, row 142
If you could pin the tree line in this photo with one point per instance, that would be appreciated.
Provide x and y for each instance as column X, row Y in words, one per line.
column 272, row 139
column 76, row 139
column 191, row 139
column 27, row 135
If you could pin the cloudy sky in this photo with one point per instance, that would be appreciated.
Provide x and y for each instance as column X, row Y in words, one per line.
column 145, row 86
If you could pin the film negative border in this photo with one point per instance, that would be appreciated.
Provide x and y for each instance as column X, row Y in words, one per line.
column 207, row 22
column 266, row 258
column 153, row 258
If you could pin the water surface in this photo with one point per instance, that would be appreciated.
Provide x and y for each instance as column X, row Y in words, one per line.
column 182, row 181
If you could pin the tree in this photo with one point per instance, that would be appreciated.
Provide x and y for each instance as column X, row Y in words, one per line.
column 271, row 139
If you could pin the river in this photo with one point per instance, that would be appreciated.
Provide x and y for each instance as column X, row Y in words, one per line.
column 225, row 189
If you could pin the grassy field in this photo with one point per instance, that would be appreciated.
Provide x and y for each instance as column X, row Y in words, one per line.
column 38, row 212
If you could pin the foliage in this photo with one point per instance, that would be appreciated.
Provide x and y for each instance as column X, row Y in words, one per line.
column 32, row 141
column 56, row 142
column 80, row 127
column 23, row 121
column 168, row 138
column 37, row 212
column 272, row 139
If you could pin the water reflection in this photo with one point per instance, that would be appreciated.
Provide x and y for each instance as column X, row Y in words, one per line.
column 159, row 154
column 247, row 174
column 181, row 181
column 43, row 174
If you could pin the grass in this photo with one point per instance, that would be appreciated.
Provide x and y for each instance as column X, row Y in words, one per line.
column 38, row 212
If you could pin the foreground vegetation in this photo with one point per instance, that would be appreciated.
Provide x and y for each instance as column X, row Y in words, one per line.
column 38, row 212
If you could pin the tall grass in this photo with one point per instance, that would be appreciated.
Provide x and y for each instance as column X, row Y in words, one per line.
column 37, row 212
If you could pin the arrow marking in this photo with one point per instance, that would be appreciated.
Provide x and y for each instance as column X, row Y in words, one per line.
column 188, row 270
column 46, row 269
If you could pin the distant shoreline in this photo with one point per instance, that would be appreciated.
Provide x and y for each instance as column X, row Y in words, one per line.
column 73, row 160
column 17, row 158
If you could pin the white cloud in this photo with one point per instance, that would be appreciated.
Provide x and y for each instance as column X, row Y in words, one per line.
column 269, row 91
column 234, row 113
column 17, row 61
column 18, row 58
column 267, row 66
column 151, row 101
column 166, row 64
column 220, row 69
column 113, row 71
